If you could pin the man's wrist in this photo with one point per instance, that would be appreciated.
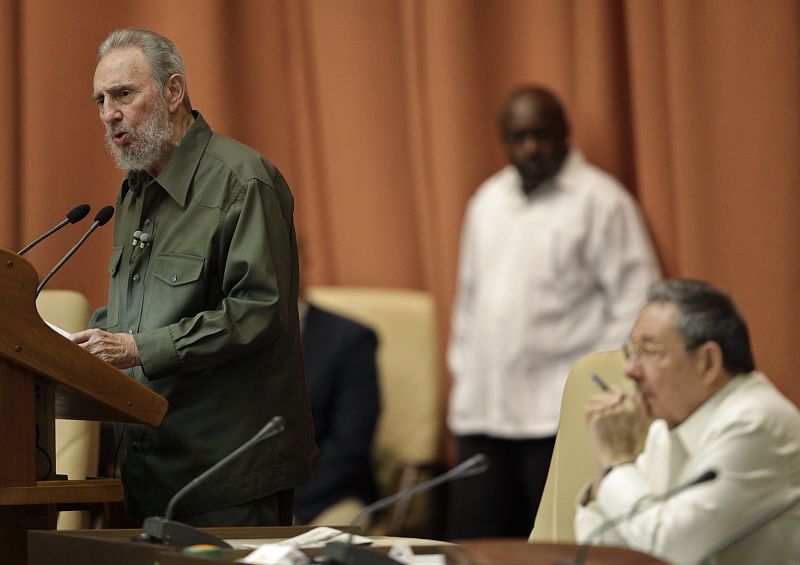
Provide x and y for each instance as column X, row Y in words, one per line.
column 591, row 492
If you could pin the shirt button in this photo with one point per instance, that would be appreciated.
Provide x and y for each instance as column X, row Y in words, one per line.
column 174, row 278
column 136, row 277
column 135, row 447
column 147, row 221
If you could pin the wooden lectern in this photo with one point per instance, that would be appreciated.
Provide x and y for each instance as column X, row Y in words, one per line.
column 44, row 376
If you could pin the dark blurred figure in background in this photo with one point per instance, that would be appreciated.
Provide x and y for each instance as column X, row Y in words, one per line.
column 340, row 358
column 554, row 264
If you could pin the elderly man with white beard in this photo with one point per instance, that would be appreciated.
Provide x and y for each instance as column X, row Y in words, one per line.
column 202, row 303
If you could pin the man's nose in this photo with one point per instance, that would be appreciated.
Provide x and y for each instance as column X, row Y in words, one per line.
column 109, row 113
column 530, row 145
column 633, row 368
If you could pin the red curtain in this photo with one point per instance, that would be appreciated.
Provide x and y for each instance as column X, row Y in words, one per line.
column 381, row 114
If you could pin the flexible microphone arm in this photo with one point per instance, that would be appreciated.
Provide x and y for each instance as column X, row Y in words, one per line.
column 756, row 524
column 347, row 553
column 583, row 549
column 275, row 426
column 475, row 465
column 75, row 215
column 166, row 531
column 102, row 218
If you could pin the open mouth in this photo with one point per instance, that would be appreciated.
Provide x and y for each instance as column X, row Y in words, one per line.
column 120, row 137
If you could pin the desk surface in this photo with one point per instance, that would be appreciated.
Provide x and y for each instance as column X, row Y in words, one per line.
column 101, row 547
column 513, row 551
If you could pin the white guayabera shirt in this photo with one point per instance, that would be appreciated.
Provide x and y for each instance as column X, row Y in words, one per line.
column 749, row 433
column 543, row 280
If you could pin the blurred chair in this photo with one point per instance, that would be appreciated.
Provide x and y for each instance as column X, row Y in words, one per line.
column 572, row 464
column 341, row 513
column 406, row 447
column 77, row 442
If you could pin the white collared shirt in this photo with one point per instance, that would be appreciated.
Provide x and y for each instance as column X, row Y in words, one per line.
column 543, row 280
column 750, row 435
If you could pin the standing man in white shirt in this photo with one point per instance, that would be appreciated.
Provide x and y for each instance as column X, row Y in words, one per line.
column 689, row 356
column 554, row 264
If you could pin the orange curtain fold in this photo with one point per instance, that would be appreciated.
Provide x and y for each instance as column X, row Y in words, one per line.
column 381, row 114
column 9, row 106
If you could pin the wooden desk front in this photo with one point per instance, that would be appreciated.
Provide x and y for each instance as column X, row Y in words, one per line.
column 104, row 547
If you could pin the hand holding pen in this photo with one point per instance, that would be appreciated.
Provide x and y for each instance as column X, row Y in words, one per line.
column 600, row 382
column 617, row 424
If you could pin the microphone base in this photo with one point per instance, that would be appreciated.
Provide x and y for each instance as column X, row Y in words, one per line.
column 340, row 553
column 161, row 531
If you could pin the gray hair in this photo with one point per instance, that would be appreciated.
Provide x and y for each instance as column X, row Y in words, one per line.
column 707, row 314
column 161, row 54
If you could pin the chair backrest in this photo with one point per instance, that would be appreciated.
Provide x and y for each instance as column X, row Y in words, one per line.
column 409, row 428
column 77, row 442
column 572, row 464
column 67, row 309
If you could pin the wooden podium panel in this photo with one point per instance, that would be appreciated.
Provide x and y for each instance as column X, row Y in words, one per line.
column 43, row 375
column 86, row 388
column 101, row 547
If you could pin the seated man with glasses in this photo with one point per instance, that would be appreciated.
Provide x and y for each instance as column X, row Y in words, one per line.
column 699, row 406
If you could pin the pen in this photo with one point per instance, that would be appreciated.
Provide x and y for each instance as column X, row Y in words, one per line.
column 600, row 382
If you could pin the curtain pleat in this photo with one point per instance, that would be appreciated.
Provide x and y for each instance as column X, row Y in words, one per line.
column 382, row 116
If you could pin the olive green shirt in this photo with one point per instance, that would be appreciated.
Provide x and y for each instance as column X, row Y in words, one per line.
column 210, row 296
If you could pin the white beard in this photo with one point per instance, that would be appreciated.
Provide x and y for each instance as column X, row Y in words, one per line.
column 146, row 143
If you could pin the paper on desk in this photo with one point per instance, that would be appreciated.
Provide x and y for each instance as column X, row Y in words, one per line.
column 275, row 554
column 318, row 537
column 54, row 327
column 401, row 552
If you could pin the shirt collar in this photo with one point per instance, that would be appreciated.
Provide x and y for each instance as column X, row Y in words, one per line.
column 690, row 432
column 567, row 176
column 177, row 176
column 179, row 172
column 135, row 180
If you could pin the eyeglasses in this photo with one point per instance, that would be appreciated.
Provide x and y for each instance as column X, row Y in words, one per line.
column 645, row 350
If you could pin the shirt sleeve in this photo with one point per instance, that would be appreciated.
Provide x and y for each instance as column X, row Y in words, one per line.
column 467, row 281
column 750, row 472
column 99, row 318
column 255, row 262
column 624, row 263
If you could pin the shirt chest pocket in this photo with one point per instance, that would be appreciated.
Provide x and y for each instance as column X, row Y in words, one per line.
column 177, row 289
column 178, row 270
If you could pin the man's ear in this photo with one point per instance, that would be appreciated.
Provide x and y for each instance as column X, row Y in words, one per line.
column 710, row 363
column 175, row 91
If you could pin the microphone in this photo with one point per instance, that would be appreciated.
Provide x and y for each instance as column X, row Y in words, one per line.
column 101, row 219
column 73, row 216
column 583, row 549
column 166, row 531
column 753, row 525
column 349, row 554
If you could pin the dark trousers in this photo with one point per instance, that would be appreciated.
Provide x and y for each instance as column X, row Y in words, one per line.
column 273, row 510
column 502, row 502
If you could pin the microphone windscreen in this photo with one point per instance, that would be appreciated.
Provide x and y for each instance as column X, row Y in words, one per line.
column 476, row 465
column 104, row 215
column 278, row 424
column 78, row 213
column 709, row 475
